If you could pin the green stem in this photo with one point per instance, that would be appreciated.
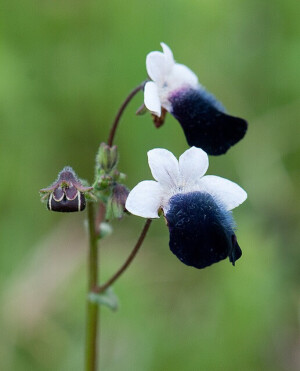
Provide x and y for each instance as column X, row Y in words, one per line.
column 92, row 326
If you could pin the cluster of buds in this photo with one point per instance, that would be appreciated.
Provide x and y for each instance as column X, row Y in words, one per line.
column 106, row 171
column 67, row 193
column 107, row 158
column 108, row 181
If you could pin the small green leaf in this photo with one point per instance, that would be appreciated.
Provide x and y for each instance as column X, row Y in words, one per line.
column 107, row 298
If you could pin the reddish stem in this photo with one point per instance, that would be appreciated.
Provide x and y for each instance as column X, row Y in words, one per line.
column 114, row 126
column 135, row 250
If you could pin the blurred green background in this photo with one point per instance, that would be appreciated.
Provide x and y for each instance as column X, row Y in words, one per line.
column 65, row 67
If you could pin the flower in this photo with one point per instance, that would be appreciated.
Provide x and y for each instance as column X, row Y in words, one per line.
column 175, row 88
column 196, row 207
column 66, row 194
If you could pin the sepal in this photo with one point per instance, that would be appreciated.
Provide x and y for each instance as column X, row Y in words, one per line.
column 158, row 121
column 141, row 110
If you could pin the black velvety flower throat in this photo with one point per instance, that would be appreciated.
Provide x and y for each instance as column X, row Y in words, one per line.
column 201, row 230
column 196, row 207
column 176, row 89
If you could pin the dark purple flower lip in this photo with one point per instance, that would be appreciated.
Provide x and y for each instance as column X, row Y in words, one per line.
column 201, row 230
column 65, row 205
column 204, row 121
column 66, row 194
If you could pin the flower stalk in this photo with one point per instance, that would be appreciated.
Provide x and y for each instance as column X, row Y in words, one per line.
column 115, row 123
column 92, row 320
column 94, row 221
column 128, row 261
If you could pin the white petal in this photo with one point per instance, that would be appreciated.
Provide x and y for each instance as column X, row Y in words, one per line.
column 159, row 64
column 145, row 199
column 155, row 65
column 229, row 193
column 164, row 167
column 193, row 164
column 168, row 54
column 183, row 76
column 151, row 98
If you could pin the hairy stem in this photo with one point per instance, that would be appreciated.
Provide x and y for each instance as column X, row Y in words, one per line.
column 135, row 250
column 92, row 325
column 114, row 126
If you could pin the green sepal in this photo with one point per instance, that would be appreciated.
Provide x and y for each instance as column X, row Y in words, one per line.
column 114, row 210
column 160, row 212
column 141, row 110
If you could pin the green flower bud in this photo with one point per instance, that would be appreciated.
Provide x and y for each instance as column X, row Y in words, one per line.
column 116, row 203
column 107, row 158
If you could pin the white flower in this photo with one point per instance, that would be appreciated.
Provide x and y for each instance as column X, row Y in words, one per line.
column 196, row 207
column 176, row 89
column 180, row 177
column 167, row 76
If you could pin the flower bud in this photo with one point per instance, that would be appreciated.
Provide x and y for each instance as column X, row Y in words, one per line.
column 107, row 157
column 116, row 202
column 66, row 194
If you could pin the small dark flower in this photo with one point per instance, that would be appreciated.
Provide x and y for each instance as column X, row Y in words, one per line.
column 66, row 194
column 197, row 208
column 176, row 88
